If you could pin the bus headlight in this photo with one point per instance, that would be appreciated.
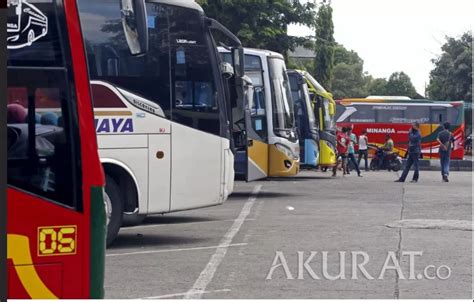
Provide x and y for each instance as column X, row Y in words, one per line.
column 287, row 151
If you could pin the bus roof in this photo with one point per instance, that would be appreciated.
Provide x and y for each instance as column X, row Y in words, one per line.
column 379, row 97
column 191, row 4
column 260, row 52
column 403, row 101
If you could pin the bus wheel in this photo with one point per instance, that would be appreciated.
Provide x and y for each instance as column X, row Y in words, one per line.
column 114, row 212
column 31, row 37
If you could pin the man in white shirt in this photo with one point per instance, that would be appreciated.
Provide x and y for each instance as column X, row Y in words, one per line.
column 363, row 149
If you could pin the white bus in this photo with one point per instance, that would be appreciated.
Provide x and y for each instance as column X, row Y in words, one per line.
column 161, row 118
column 273, row 148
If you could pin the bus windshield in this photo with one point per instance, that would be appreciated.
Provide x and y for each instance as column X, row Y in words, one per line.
column 310, row 111
column 315, row 83
column 328, row 121
column 178, row 74
column 282, row 102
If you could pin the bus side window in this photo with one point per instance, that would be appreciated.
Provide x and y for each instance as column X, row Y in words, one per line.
column 438, row 115
column 43, row 165
column 193, row 74
column 41, row 155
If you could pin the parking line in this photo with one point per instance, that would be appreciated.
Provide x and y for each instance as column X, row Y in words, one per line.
column 183, row 294
column 176, row 250
column 174, row 224
column 207, row 274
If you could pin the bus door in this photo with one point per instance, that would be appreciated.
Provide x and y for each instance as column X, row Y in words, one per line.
column 56, row 212
column 256, row 122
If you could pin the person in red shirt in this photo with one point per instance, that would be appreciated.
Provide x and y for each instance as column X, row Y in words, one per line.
column 343, row 140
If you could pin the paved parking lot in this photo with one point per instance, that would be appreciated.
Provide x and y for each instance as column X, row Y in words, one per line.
column 228, row 251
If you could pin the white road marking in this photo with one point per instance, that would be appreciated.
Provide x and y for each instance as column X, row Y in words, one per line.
column 137, row 227
column 176, row 250
column 183, row 294
column 290, row 208
column 208, row 273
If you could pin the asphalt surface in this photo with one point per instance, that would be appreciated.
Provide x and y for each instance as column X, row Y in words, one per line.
column 227, row 251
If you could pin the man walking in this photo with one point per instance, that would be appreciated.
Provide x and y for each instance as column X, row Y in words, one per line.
column 351, row 152
column 414, row 150
column 445, row 140
column 363, row 149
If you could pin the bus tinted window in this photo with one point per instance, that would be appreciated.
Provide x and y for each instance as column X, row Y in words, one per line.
column 41, row 119
column 109, row 56
column 32, row 30
column 253, row 62
column 454, row 115
column 420, row 114
column 363, row 114
column 193, row 72
column 389, row 114
column 282, row 102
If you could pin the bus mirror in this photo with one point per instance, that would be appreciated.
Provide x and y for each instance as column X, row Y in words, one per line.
column 134, row 21
column 238, row 58
column 227, row 70
column 332, row 110
column 249, row 91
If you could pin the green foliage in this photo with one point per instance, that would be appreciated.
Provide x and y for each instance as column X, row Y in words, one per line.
column 325, row 46
column 451, row 79
column 262, row 23
column 349, row 79
column 343, row 55
column 377, row 86
column 307, row 65
column 400, row 84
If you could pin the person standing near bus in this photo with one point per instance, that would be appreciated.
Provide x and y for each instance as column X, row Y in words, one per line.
column 414, row 151
column 342, row 148
column 351, row 152
column 363, row 149
column 445, row 140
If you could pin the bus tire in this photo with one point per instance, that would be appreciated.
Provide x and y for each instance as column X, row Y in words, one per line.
column 132, row 219
column 112, row 191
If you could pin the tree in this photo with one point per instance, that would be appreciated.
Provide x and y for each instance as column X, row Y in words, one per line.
column 451, row 79
column 262, row 23
column 399, row 84
column 349, row 79
column 377, row 87
column 325, row 45
column 343, row 55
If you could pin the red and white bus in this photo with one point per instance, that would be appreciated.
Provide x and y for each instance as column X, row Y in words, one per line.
column 394, row 116
column 56, row 226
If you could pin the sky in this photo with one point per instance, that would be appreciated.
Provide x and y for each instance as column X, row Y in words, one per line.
column 397, row 35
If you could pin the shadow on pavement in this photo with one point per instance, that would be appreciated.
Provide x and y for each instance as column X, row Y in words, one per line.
column 171, row 219
column 301, row 178
column 138, row 239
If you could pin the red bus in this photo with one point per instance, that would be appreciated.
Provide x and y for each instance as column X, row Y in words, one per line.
column 394, row 117
column 56, row 213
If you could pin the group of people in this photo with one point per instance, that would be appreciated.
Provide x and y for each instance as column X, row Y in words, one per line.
column 346, row 141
